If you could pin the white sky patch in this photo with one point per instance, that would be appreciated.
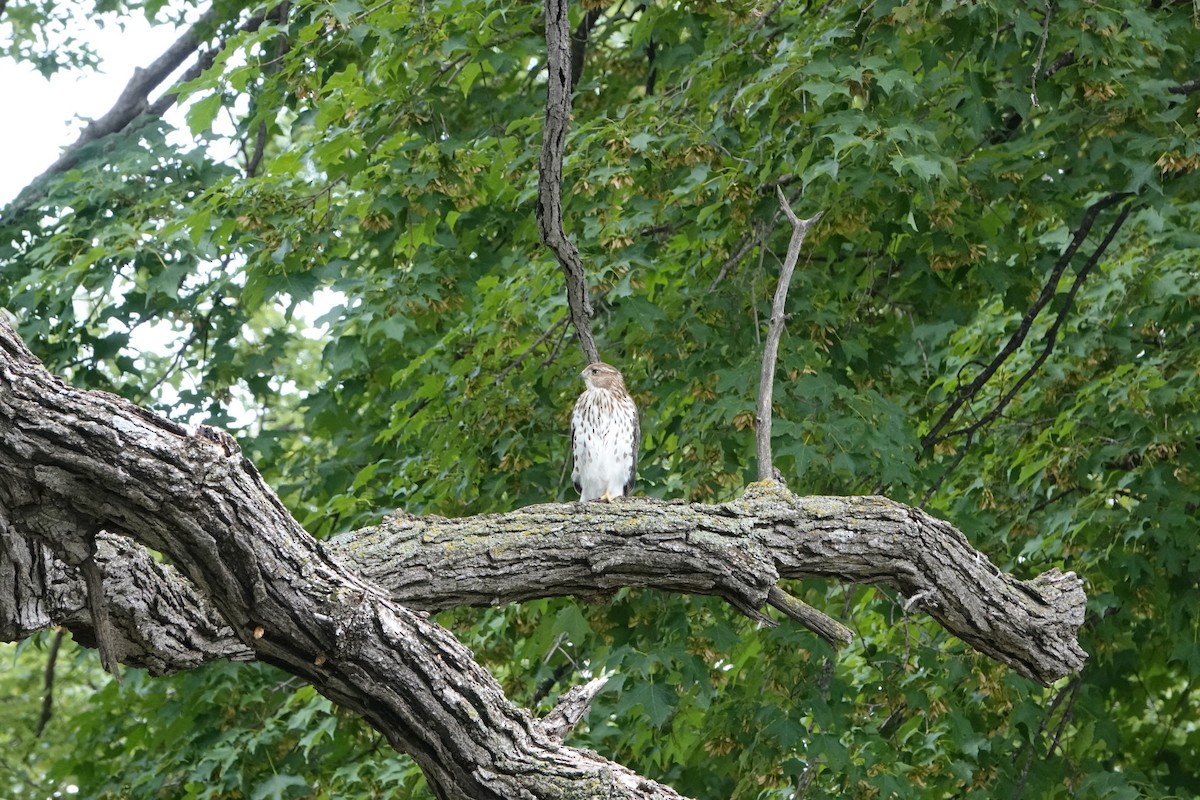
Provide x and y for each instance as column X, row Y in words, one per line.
column 55, row 110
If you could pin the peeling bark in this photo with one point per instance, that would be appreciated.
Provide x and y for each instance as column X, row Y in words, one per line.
column 248, row 582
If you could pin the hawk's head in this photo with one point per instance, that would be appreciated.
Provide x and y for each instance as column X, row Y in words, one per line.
column 602, row 376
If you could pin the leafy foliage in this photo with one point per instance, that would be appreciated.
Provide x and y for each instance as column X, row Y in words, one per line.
column 955, row 150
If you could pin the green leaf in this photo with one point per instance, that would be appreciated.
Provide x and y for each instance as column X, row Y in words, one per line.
column 201, row 113
column 277, row 787
column 656, row 700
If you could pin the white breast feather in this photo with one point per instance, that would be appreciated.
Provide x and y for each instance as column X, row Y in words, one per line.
column 603, row 433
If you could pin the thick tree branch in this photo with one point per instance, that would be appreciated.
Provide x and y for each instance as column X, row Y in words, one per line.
column 159, row 621
column 170, row 491
column 554, row 137
column 74, row 460
column 737, row 551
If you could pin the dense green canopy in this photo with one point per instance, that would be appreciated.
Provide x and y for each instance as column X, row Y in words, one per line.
column 996, row 319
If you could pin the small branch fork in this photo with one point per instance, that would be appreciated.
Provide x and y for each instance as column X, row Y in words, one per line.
column 766, row 383
column 549, row 207
column 821, row 624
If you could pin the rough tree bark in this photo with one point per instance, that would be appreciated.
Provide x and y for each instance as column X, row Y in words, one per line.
column 550, row 165
column 248, row 582
column 74, row 462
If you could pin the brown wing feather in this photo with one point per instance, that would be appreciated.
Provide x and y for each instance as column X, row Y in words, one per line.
column 571, row 453
column 637, row 444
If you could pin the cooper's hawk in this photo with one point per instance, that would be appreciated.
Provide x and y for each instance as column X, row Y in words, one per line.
column 604, row 436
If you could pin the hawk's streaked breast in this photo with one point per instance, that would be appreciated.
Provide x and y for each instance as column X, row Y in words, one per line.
column 604, row 436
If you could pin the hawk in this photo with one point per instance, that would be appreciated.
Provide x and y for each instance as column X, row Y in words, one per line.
column 604, row 436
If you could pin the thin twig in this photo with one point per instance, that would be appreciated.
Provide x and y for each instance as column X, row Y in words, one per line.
column 48, row 697
column 549, row 208
column 937, row 484
column 524, row 355
column 966, row 394
column 749, row 242
column 766, row 470
column 1052, row 334
column 819, row 623
column 282, row 46
column 1071, row 689
column 1186, row 88
column 543, row 689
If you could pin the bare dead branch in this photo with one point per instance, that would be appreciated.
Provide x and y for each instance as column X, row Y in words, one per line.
column 738, row 551
column 572, row 707
column 766, row 384
column 549, row 208
column 968, row 393
column 823, row 625
column 819, row 623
